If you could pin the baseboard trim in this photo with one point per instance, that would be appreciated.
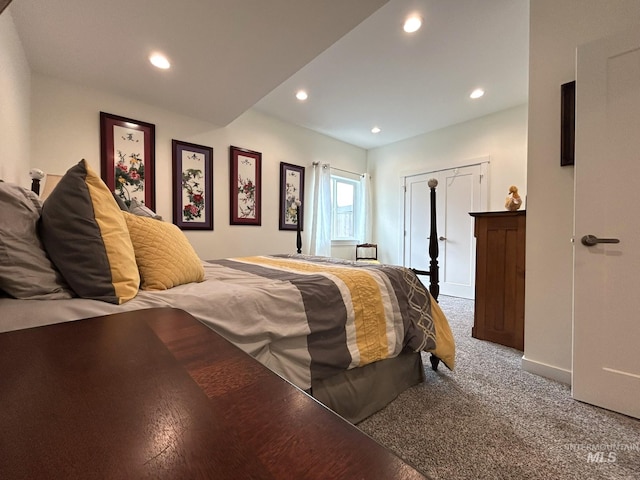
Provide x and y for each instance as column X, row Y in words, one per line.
column 548, row 371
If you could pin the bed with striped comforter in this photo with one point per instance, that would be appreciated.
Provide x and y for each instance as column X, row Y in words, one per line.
column 306, row 318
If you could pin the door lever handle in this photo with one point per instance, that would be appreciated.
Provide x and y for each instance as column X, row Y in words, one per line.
column 442, row 238
column 591, row 240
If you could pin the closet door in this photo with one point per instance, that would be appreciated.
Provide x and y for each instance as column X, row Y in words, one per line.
column 460, row 191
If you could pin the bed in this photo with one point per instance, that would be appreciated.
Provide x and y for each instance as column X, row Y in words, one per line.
column 348, row 333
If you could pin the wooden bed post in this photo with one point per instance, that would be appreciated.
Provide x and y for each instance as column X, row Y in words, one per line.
column 434, row 280
column 36, row 175
column 298, row 228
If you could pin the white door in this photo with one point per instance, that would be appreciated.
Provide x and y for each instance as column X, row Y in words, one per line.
column 416, row 231
column 460, row 191
column 606, row 312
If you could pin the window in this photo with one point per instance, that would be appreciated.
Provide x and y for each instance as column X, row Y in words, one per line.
column 344, row 208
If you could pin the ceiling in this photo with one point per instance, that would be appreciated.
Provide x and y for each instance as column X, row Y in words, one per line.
column 358, row 66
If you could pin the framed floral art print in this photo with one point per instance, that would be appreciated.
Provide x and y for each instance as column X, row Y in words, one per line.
column 192, row 186
column 245, row 186
column 291, row 196
column 128, row 149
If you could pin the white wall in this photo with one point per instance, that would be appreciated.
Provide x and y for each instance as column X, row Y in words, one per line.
column 501, row 136
column 556, row 29
column 15, row 78
column 66, row 128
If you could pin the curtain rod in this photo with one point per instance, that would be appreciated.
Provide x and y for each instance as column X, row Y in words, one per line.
column 339, row 169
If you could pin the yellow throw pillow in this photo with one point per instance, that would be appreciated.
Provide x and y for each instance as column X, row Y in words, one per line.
column 163, row 253
column 86, row 237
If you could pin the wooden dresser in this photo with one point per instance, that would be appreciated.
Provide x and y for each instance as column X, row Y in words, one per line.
column 500, row 277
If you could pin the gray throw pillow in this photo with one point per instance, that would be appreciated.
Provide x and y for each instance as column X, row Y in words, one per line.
column 85, row 234
column 25, row 269
column 120, row 202
column 142, row 210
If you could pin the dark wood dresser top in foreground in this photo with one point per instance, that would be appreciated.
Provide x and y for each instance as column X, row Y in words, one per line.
column 156, row 394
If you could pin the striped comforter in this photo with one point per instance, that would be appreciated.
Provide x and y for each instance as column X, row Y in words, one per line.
column 343, row 314
column 303, row 317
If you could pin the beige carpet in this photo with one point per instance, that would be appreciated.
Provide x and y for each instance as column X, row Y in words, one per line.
column 490, row 420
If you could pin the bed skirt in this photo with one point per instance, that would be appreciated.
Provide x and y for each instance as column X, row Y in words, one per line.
column 360, row 392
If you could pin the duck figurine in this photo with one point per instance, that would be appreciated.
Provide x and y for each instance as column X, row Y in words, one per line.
column 513, row 201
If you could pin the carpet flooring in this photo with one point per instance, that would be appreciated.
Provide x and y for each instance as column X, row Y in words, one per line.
column 489, row 419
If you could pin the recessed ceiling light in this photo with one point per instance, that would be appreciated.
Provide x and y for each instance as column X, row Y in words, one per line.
column 412, row 24
column 477, row 93
column 375, row 130
column 159, row 60
column 301, row 95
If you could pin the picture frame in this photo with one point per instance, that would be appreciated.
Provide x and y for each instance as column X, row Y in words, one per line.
column 192, row 167
column 291, row 190
column 245, row 176
column 567, row 123
column 127, row 164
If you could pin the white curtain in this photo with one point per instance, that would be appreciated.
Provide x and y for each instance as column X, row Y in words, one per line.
column 363, row 227
column 320, row 240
